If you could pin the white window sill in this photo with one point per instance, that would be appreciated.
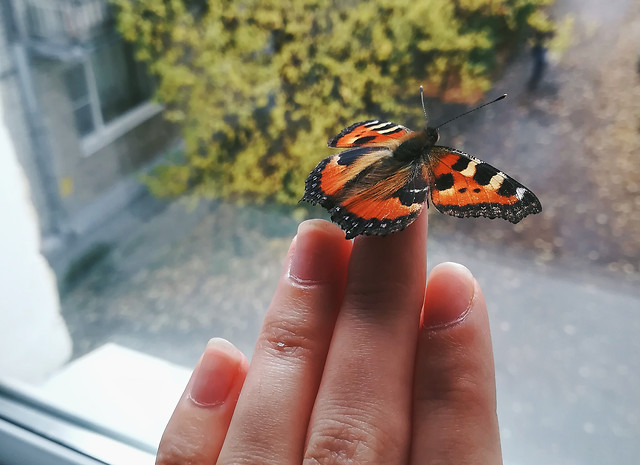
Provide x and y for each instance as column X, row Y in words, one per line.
column 105, row 135
column 108, row 407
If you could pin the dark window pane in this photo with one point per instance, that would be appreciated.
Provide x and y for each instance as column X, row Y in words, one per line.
column 76, row 82
column 84, row 120
column 122, row 82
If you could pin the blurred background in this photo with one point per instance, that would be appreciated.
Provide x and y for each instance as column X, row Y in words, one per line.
column 154, row 154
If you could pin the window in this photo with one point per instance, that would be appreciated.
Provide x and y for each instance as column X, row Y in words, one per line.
column 105, row 86
column 121, row 82
column 108, row 347
column 76, row 82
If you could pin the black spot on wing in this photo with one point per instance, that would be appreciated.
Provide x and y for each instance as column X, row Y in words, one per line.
column 444, row 182
column 461, row 164
column 529, row 198
column 415, row 191
column 484, row 173
column 349, row 156
column 507, row 189
column 363, row 140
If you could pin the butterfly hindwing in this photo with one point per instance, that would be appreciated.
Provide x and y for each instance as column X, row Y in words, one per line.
column 462, row 185
column 369, row 133
column 367, row 191
column 372, row 206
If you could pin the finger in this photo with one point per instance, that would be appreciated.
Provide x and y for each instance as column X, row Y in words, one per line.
column 273, row 411
column 199, row 423
column 454, row 412
column 362, row 412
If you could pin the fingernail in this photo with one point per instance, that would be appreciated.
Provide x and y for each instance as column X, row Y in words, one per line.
column 215, row 374
column 316, row 251
column 449, row 295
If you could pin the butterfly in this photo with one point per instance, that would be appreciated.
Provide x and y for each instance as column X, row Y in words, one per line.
column 380, row 184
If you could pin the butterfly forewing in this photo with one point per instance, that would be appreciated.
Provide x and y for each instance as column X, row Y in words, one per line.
column 462, row 185
column 369, row 133
column 329, row 177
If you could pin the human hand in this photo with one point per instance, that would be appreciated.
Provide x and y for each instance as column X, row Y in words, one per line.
column 355, row 363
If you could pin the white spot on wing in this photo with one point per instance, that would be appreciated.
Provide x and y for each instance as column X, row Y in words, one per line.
column 386, row 130
column 520, row 191
column 377, row 126
column 470, row 170
column 391, row 129
column 496, row 180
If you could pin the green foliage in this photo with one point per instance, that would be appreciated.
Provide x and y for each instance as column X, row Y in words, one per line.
column 258, row 86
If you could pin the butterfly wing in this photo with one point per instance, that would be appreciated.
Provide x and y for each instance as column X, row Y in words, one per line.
column 462, row 185
column 369, row 133
column 367, row 191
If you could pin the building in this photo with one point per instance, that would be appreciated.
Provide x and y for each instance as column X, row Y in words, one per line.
column 79, row 108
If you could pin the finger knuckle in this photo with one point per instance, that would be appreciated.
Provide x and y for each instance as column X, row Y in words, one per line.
column 349, row 441
column 173, row 455
column 288, row 337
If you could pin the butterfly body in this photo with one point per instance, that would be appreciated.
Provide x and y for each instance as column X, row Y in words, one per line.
column 382, row 182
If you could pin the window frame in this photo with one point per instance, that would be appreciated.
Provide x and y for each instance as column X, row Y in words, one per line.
column 33, row 432
column 104, row 133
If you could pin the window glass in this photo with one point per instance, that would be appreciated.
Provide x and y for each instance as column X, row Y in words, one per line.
column 108, row 81
column 76, row 84
column 117, row 268
column 121, row 82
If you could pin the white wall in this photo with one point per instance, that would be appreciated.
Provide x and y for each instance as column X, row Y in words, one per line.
column 34, row 340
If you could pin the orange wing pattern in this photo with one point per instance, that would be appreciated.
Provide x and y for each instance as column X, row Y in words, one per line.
column 462, row 185
column 380, row 185
column 369, row 133
column 367, row 191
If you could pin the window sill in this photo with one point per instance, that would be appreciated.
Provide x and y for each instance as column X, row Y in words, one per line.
column 31, row 432
column 109, row 406
column 117, row 128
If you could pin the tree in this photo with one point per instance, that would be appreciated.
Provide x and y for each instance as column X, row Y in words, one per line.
column 258, row 86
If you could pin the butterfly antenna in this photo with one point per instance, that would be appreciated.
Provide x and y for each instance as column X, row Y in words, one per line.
column 472, row 110
column 424, row 109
